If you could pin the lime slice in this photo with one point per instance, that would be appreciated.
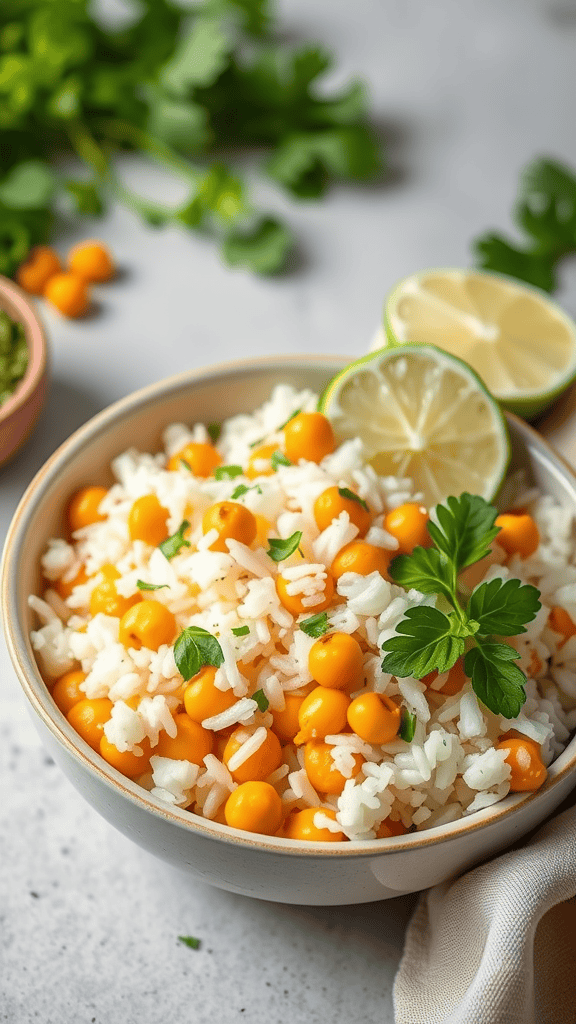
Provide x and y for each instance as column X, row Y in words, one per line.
column 522, row 344
column 424, row 414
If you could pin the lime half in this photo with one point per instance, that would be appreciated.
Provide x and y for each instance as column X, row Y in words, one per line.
column 521, row 344
column 425, row 414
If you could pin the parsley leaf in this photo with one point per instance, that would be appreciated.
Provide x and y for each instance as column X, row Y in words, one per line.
column 503, row 607
column 186, row 465
column 407, row 726
column 227, row 472
column 242, row 489
column 262, row 248
column 426, row 640
column 495, row 679
column 190, row 941
column 214, row 431
column 261, row 700
column 194, row 648
column 316, row 626
column 345, row 492
column 172, row 545
column 151, row 586
column 279, row 459
column 426, row 569
column 281, row 549
column 240, row 630
column 545, row 209
column 465, row 529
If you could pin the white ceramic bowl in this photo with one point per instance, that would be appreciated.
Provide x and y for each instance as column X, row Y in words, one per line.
column 268, row 868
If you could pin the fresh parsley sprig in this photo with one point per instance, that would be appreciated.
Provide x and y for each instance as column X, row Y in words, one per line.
column 431, row 639
column 194, row 648
column 172, row 545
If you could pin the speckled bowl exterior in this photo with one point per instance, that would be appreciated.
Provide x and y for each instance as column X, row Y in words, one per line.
column 19, row 414
column 267, row 868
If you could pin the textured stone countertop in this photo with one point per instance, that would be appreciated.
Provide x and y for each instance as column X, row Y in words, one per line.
column 465, row 93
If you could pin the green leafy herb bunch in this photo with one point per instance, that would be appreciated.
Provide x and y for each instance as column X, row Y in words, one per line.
column 433, row 638
column 185, row 87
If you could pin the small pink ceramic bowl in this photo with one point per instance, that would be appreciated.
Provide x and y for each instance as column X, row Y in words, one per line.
column 19, row 414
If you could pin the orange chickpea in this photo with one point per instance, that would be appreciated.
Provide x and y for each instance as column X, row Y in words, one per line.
column 322, row 771
column 202, row 699
column 331, row 503
column 147, row 520
column 88, row 717
column 512, row 734
column 528, row 771
column 65, row 587
column 374, row 717
column 147, row 624
column 322, row 713
column 83, row 507
column 232, row 521
column 106, row 599
column 454, row 682
column 518, row 534
column 308, row 435
column 259, row 462
column 69, row 293
column 336, row 661
column 389, row 828
column 363, row 558
column 254, row 807
column 300, row 825
column 409, row 525
column 560, row 621
column 286, row 723
column 92, row 261
column 201, row 457
column 126, row 762
column 293, row 602
column 66, row 691
column 40, row 265
column 259, row 765
column 191, row 742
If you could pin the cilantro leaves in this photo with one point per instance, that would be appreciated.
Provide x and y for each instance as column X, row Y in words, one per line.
column 172, row 545
column 316, row 626
column 280, row 549
column 194, row 648
column 545, row 210
column 261, row 699
column 430, row 639
column 227, row 472
column 345, row 492
column 182, row 85
column 150, row 586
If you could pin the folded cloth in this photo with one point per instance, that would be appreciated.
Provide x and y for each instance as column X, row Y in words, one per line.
column 498, row 945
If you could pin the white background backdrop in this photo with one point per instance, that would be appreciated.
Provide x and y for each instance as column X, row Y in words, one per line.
column 465, row 92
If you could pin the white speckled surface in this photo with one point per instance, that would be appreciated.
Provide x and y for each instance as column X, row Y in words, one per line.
column 467, row 92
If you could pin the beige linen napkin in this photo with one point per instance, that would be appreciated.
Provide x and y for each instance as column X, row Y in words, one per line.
column 498, row 945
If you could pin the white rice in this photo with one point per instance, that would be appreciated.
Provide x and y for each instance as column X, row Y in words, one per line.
column 450, row 768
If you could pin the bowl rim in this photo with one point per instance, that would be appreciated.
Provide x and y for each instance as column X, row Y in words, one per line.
column 36, row 340
column 41, row 702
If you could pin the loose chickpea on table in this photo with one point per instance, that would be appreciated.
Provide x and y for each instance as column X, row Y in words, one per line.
column 42, row 273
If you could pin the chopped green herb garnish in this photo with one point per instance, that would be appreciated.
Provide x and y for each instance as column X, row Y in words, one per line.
column 291, row 417
column 243, row 489
column 186, row 465
column 194, row 648
column 151, row 586
column 190, row 941
column 281, row 549
column 227, row 472
column 279, row 459
column 172, row 545
column 13, row 353
column 240, row 630
column 214, row 431
column 316, row 626
column 407, row 725
column 428, row 639
column 345, row 492
column 261, row 700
